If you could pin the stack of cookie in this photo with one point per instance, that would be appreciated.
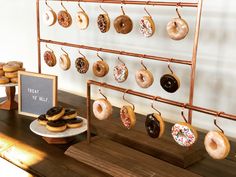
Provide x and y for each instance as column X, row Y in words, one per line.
column 9, row 71
column 58, row 119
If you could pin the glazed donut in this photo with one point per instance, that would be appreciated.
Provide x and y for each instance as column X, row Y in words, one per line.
column 74, row 123
column 64, row 18
column 82, row 20
column 11, row 75
column 1, row 65
column 1, row 73
column 4, row 80
column 11, row 67
column 69, row 114
column 184, row 134
column 64, row 62
column 144, row 78
column 154, row 125
column 42, row 119
column 16, row 62
column 103, row 23
column 123, row 24
column 120, row 73
column 147, row 26
column 127, row 116
column 102, row 109
column 170, row 83
column 100, row 68
column 217, row 145
column 177, row 29
column 55, row 113
column 50, row 17
column 14, row 80
column 56, row 126
column 50, row 58
column 82, row 65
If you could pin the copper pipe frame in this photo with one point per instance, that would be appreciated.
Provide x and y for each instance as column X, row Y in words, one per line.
column 151, row 57
column 153, row 3
column 194, row 58
column 150, row 97
column 38, row 36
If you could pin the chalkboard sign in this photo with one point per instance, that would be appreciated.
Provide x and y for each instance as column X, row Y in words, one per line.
column 37, row 93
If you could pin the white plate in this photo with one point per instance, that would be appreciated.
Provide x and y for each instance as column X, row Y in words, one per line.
column 43, row 131
column 8, row 85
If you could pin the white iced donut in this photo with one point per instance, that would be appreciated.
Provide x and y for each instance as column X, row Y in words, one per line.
column 65, row 62
column 82, row 20
column 146, row 26
column 184, row 134
column 120, row 73
column 144, row 78
column 177, row 28
column 50, row 17
column 102, row 109
column 217, row 145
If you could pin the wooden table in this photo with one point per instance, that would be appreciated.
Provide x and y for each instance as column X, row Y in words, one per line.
column 50, row 160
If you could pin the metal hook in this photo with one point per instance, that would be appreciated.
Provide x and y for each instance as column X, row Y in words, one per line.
column 147, row 12
column 99, row 56
column 143, row 65
column 81, row 54
column 182, row 114
column 100, row 91
column 152, row 105
column 121, row 61
column 63, row 6
column 49, row 48
column 215, row 118
column 127, row 100
column 64, row 51
column 80, row 7
column 122, row 10
column 46, row 2
column 103, row 10
column 172, row 72
column 177, row 11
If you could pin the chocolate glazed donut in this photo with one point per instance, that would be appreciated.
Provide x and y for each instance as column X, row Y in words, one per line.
column 123, row 24
column 54, row 111
column 152, row 126
column 169, row 83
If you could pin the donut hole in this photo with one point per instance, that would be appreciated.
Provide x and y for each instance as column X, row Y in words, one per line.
column 98, row 68
column 99, row 108
column 213, row 144
column 168, row 84
column 142, row 78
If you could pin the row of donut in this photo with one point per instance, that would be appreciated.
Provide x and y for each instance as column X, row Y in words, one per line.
column 177, row 28
column 216, row 143
column 144, row 78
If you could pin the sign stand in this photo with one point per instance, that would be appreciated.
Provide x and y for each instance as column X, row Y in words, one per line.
column 9, row 103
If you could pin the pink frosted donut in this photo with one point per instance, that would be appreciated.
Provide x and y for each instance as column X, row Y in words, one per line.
column 102, row 109
column 184, row 134
column 217, row 145
column 146, row 26
column 120, row 73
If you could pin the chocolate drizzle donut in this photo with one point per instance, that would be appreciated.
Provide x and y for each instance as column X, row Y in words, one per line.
column 103, row 23
column 154, row 125
column 64, row 19
column 82, row 65
column 170, row 83
column 50, row 58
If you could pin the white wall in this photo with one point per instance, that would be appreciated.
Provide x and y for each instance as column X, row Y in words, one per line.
column 215, row 87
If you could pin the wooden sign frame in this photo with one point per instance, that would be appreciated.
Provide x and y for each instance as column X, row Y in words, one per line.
column 46, row 76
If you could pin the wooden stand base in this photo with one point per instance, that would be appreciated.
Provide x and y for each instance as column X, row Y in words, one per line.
column 59, row 140
column 9, row 103
column 118, row 160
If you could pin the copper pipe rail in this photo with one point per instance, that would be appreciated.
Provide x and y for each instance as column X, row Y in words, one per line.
column 153, row 3
column 150, row 97
column 151, row 57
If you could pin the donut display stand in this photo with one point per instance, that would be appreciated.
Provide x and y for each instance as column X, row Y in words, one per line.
column 9, row 103
column 57, row 137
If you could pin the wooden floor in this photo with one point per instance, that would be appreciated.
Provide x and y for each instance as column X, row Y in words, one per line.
column 50, row 161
